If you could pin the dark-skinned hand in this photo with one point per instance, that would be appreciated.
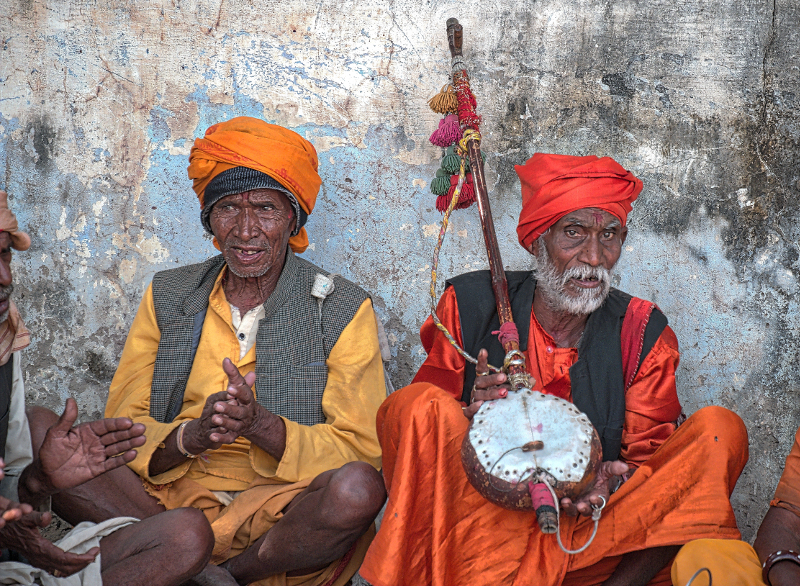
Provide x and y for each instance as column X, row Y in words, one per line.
column 240, row 413
column 204, row 433
column 607, row 476
column 70, row 456
column 487, row 387
column 23, row 536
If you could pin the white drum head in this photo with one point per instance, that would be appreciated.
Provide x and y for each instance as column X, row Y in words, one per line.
column 502, row 428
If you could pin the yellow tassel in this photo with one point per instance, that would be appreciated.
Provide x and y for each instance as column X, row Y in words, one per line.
column 445, row 101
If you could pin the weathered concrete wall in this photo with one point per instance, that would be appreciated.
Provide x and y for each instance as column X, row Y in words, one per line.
column 99, row 103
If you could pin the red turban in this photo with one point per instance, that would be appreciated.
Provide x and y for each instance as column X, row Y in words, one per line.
column 555, row 185
column 279, row 152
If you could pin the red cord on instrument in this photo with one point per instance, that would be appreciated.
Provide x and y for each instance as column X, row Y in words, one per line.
column 466, row 102
column 507, row 333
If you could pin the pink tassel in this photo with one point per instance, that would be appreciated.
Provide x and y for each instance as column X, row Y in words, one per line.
column 448, row 132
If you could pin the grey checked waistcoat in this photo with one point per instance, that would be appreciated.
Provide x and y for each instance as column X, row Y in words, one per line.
column 292, row 342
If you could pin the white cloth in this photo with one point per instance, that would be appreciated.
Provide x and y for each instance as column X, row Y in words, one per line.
column 246, row 327
column 19, row 452
column 81, row 539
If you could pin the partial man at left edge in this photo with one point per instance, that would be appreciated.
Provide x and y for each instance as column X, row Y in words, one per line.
column 46, row 454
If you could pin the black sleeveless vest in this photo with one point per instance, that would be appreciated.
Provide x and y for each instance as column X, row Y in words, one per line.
column 5, row 401
column 596, row 377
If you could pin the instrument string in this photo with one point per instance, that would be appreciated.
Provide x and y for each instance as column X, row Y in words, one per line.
column 469, row 134
column 595, row 517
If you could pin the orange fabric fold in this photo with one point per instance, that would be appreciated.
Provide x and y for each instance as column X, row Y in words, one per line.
column 249, row 516
column 555, row 185
column 249, row 142
column 651, row 402
column 437, row 530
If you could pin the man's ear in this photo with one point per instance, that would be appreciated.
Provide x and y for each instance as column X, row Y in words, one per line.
column 623, row 235
column 533, row 247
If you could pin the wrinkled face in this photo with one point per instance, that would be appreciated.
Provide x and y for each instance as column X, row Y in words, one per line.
column 253, row 230
column 5, row 275
column 575, row 258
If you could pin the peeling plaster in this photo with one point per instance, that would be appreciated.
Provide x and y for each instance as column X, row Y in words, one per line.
column 99, row 105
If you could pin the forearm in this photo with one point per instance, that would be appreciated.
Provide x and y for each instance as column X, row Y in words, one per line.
column 33, row 487
column 269, row 434
column 169, row 456
column 779, row 531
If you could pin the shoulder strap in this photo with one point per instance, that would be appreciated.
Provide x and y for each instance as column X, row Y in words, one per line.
column 641, row 327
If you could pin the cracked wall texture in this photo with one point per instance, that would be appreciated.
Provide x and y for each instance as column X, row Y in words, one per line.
column 100, row 101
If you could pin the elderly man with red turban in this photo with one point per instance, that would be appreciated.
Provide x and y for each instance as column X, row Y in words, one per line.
column 663, row 482
column 257, row 376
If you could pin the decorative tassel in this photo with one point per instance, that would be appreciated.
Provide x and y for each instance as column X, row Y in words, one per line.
column 445, row 102
column 440, row 185
column 442, row 202
column 451, row 164
column 465, row 199
column 447, row 133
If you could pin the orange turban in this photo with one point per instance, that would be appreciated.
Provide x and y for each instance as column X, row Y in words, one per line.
column 279, row 152
column 555, row 185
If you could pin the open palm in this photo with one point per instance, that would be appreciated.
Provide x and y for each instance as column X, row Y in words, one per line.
column 70, row 456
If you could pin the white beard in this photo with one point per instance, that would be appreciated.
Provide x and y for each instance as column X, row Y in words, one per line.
column 553, row 285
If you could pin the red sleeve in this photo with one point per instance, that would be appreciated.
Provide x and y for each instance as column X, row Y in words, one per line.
column 651, row 403
column 444, row 366
column 787, row 495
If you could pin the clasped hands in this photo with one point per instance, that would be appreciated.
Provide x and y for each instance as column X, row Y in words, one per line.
column 490, row 387
column 226, row 415
column 68, row 457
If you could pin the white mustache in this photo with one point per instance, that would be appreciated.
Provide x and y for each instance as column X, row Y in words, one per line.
column 583, row 273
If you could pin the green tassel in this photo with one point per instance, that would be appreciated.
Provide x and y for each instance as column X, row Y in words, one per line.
column 451, row 164
column 440, row 185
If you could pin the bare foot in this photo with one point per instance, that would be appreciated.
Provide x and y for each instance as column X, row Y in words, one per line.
column 212, row 576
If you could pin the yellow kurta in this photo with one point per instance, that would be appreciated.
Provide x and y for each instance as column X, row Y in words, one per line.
column 355, row 389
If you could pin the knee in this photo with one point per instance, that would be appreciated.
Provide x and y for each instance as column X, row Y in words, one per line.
column 421, row 400
column 40, row 419
column 189, row 538
column 723, row 425
column 356, row 493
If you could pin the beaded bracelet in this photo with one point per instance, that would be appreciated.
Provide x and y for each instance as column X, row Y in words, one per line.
column 181, row 449
column 777, row 556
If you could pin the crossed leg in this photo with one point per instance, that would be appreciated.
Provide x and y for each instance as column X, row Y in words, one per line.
column 319, row 526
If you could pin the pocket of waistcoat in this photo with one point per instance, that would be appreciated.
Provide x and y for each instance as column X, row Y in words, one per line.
column 310, row 377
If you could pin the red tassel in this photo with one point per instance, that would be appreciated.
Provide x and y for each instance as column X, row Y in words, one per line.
column 465, row 199
column 442, row 202
column 448, row 132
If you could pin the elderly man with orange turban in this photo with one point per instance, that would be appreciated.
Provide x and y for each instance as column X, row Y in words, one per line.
column 257, row 376
column 663, row 482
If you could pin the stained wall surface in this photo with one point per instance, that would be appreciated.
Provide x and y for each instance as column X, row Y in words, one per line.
column 100, row 102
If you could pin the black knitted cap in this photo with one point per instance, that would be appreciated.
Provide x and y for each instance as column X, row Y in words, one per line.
column 239, row 180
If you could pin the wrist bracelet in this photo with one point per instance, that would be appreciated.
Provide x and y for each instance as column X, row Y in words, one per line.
column 181, row 449
column 775, row 557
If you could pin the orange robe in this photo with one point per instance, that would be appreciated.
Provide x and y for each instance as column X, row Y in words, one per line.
column 438, row 530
